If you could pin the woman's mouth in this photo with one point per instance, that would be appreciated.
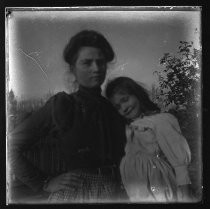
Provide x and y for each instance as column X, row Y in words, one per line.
column 97, row 77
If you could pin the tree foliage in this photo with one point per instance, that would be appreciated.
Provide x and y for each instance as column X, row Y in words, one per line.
column 179, row 79
column 179, row 84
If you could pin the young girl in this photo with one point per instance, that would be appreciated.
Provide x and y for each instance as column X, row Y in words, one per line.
column 155, row 165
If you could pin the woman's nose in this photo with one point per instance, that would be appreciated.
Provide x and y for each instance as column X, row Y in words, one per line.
column 95, row 67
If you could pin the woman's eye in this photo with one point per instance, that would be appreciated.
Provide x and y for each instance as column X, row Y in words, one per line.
column 87, row 63
column 101, row 62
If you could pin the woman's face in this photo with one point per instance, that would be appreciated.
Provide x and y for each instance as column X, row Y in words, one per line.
column 90, row 67
column 127, row 105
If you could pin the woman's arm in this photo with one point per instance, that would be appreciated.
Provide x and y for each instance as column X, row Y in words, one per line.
column 69, row 180
column 21, row 139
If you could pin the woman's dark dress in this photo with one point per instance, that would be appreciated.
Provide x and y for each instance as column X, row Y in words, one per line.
column 86, row 129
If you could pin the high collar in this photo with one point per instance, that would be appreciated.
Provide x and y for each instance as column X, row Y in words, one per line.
column 90, row 91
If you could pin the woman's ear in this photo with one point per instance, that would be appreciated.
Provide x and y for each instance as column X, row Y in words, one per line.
column 70, row 81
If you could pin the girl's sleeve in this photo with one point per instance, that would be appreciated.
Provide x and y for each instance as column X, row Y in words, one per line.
column 22, row 138
column 174, row 146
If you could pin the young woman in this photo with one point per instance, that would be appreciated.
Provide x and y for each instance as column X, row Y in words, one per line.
column 155, row 166
column 88, row 132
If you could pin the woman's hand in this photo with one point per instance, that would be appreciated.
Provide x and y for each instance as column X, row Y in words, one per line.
column 68, row 181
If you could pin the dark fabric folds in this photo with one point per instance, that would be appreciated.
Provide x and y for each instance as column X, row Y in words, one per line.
column 95, row 136
column 80, row 130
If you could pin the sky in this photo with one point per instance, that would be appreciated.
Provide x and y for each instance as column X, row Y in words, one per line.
column 35, row 41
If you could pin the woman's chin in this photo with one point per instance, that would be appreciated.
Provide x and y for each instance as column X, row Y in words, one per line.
column 95, row 83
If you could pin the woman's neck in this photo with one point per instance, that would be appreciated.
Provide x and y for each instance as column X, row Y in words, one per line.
column 93, row 91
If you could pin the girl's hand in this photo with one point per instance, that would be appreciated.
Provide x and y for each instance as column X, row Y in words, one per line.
column 184, row 193
column 64, row 181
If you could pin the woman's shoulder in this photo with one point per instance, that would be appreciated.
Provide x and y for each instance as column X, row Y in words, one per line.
column 61, row 101
column 62, row 106
column 61, row 97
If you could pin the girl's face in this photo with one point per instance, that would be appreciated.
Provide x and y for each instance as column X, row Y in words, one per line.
column 127, row 105
column 90, row 67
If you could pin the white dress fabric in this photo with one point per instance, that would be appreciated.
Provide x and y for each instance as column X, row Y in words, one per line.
column 156, row 159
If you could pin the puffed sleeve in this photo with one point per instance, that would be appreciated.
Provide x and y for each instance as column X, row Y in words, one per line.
column 174, row 146
column 24, row 136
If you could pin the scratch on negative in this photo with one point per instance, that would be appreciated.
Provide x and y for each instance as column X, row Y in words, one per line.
column 36, row 53
column 40, row 67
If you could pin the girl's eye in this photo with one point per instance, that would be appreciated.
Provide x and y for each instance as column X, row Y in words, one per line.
column 117, row 107
column 125, row 99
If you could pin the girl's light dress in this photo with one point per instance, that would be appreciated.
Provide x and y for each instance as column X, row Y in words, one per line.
column 156, row 159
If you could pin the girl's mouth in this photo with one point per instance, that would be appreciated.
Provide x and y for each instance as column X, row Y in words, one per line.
column 129, row 111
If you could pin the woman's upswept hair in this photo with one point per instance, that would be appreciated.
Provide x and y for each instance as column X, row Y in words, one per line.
column 87, row 38
column 129, row 86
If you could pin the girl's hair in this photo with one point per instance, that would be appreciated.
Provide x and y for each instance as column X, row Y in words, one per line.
column 129, row 86
column 89, row 38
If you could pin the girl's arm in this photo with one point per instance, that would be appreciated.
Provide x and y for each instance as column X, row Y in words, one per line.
column 184, row 192
column 174, row 146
